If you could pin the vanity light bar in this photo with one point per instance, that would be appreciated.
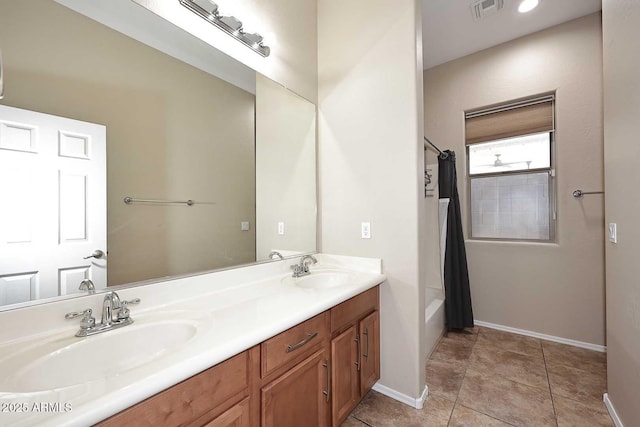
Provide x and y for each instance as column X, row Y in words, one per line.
column 208, row 10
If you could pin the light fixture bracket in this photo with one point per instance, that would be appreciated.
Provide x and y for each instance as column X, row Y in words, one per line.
column 229, row 24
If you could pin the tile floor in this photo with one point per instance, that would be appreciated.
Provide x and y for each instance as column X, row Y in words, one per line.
column 494, row 378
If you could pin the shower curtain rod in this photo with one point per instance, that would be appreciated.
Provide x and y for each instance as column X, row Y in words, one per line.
column 442, row 153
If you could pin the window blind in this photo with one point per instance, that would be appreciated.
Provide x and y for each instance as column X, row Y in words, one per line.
column 509, row 120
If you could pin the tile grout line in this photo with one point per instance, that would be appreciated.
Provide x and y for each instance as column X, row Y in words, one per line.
column 530, row 386
column 531, row 358
column 547, row 364
column 546, row 371
column 586, row 403
column 363, row 422
column 455, row 402
column 470, row 346
column 475, row 410
column 491, row 416
column 466, row 368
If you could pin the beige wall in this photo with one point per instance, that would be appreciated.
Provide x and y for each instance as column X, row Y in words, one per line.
column 160, row 142
column 285, row 172
column 370, row 163
column 555, row 289
column 621, row 30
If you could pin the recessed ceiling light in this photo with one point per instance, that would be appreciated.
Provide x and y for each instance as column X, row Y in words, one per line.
column 527, row 6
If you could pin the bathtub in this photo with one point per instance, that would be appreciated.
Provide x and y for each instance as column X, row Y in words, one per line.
column 434, row 316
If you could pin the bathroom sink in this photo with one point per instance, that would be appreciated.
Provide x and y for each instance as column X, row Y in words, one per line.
column 69, row 361
column 322, row 279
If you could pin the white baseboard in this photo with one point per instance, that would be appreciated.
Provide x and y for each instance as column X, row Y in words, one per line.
column 417, row 403
column 581, row 344
column 612, row 410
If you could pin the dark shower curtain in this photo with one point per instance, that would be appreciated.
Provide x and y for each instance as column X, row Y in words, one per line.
column 458, row 311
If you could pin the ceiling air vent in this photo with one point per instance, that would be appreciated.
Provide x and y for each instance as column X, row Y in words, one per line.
column 483, row 8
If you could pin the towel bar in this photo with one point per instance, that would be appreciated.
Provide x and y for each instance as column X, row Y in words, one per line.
column 579, row 193
column 128, row 200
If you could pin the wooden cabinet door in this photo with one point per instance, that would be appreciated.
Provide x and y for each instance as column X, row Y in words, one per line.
column 345, row 390
column 300, row 397
column 369, row 351
column 236, row 416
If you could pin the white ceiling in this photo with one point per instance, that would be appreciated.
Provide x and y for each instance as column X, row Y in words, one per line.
column 450, row 32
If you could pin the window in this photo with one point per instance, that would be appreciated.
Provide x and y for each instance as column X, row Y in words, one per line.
column 510, row 165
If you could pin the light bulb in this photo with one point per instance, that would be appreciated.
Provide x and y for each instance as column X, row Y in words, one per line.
column 527, row 6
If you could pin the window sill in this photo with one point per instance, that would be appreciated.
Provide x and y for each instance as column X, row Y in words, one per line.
column 545, row 244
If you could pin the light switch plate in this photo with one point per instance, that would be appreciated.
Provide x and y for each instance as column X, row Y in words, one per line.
column 365, row 229
column 244, row 226
column 613, row 232
column 281, row 228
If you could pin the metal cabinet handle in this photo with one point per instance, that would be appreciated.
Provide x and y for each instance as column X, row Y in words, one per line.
column 357, row 340
column 292, row 347
column 97, row 254
column 327, row 392
column 366, row 353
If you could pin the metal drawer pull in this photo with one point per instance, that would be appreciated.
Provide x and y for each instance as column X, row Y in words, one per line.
column 327, row 392
column 309, row 337
column 357, row 363
column 366, row 353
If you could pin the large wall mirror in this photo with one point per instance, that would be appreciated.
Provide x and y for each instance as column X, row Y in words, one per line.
column 91, row 116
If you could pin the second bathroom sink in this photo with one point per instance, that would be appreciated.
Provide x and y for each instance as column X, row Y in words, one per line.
column 321, row 279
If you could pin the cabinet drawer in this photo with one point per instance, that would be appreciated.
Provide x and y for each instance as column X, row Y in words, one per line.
column 227, row 382
column 293, row 345
column 354, row 309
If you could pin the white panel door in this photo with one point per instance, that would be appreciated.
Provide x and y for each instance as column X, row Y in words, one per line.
column 52, row 205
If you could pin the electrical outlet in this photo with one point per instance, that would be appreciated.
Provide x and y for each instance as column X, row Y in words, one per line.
column 281, row 228
column 244, row 226
column 613, row 232
column 365, row 229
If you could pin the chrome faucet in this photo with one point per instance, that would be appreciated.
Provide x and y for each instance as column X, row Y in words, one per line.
column 87, row 285
column 110, row 304
column 115, row 314
column 302, row 268
column 275, row 254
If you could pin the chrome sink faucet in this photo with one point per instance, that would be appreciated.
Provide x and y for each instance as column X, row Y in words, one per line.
column 302, row 268
column 87, row 285
column 115, row 314
column 275, row 255
column 110, row 304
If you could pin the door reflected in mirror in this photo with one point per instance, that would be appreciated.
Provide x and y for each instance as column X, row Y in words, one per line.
column 243, row 152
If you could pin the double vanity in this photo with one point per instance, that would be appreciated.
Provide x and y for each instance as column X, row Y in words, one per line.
column 249, row 346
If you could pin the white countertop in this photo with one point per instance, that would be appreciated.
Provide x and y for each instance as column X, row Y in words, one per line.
column 235, row 310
